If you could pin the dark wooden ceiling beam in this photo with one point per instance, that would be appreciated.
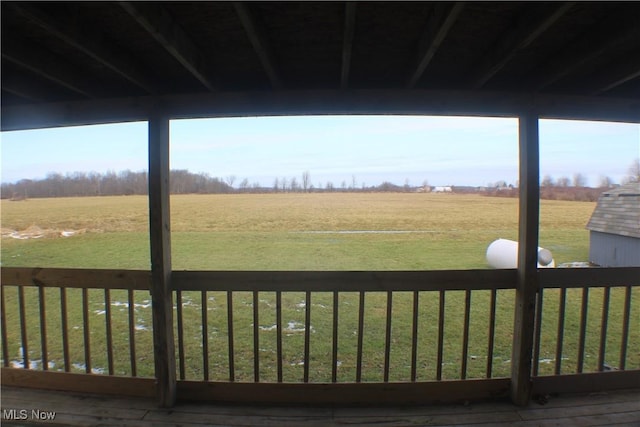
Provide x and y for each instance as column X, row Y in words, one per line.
column 527, row 30
column 576, row 55
column 159, row 23
column 301, row 102
column 47, row 65
column 22, row 87
column 347, row 44
column 617, row 75
column 440, row 21
column 89, row 43
column 258, row 38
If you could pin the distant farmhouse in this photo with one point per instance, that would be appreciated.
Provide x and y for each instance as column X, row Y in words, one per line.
column 615, row 228
column 447, row 189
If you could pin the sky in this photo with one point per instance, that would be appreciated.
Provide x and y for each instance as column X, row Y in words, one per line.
column 368, row 149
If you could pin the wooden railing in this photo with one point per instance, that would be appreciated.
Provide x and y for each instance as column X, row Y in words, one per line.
column 602, row 301
column 416, row 291
column 49, row 329
column 232, row 343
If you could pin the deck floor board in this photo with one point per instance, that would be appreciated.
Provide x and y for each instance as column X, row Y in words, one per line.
column 621, row 408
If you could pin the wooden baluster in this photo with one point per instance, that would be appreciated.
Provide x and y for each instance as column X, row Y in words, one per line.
column 583, row 329
column 603, row 329
column 625, row 329
column 440, row 336
column 492, row 332
column 132, row 333
column 205, row 335
column 232, row 371
column 387, row 343
column 560, row 333
column 414, row 336
column 465, row 334
column 279, row 334
column 179, row 317
column 86, row 330
column 23, row 328
column 43, row 328
column 256, row 338
column 360, row 337
column 109, row 333
column 65, row 329
column 307, row 331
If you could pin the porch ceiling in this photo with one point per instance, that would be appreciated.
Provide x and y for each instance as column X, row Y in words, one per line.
column 89, row 62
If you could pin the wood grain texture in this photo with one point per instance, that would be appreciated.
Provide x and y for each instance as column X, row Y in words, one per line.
column 343, row 281
column 527, row 283
column 76, row 278
column 83, row 383
column 160, row 245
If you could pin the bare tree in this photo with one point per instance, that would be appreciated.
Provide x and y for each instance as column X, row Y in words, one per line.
column 605, row 182
column 230, row 180
column 353, row 182
column 563, row 181
column 579, row 180
column 633, row 174
column 547, row 181
column 305, row 181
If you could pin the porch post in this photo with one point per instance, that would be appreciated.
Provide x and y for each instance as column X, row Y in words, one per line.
column 160, row 244
column 527, row 284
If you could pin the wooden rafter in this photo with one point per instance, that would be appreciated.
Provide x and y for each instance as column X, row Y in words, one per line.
column 20, row 87
column 89, row 44
column 576, row 55
column 347, row 44
column 438, row 25
column 508, row 45
column 258, row 37
column 618, row 74
column 159, row 23
column 45, row 64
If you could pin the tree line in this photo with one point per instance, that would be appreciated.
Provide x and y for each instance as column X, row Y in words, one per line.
column 78, row 184
column 181, row 181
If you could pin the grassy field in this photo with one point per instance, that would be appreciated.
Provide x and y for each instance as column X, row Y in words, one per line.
column 302, row 232
column 288, row 231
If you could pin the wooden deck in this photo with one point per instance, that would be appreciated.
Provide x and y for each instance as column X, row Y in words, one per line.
column 620, row 408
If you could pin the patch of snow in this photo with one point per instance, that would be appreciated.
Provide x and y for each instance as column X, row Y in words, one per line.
column 33, row 364
column 292, row 326
column 145, row 304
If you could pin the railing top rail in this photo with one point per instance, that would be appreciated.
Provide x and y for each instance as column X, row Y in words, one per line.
column 589, row 277
column 298, row 281
column 76, row 278
column 343, row 281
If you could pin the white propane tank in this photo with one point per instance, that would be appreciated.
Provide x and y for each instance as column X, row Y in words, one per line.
column 503, row 253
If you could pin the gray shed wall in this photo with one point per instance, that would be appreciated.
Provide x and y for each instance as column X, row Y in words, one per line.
column 612, row 250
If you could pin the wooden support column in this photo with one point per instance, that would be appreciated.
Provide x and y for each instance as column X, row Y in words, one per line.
column 160, row 242
column 527, row 282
